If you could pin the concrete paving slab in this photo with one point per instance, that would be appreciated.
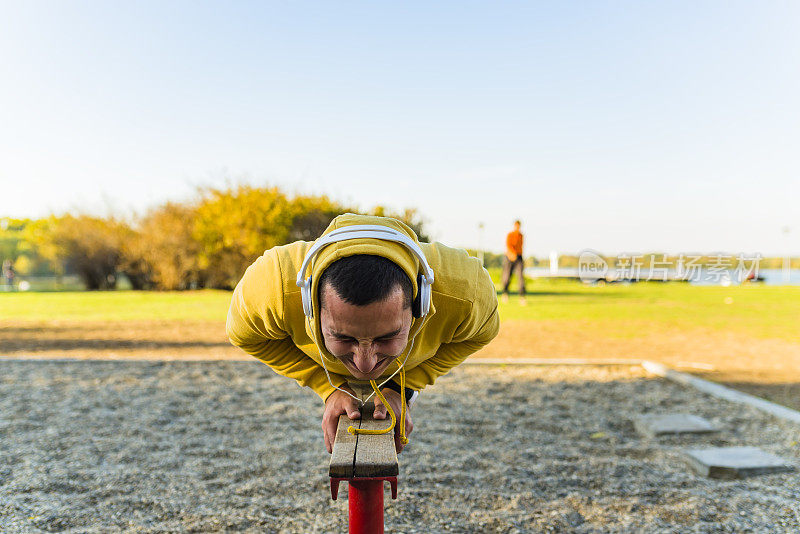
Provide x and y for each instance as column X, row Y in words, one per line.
column 735, row 462
column 654, row 425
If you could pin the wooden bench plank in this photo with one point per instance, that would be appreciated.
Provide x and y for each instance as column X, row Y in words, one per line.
column 363, row 455
column 344, row 449
column 375, row 455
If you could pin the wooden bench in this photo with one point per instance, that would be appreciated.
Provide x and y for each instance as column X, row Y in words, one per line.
column 365, row 462
column 363, row 455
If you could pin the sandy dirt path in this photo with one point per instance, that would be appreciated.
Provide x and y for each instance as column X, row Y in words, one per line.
column 122, row 446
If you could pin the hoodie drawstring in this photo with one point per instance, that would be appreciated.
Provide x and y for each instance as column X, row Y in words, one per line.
column 403, row 439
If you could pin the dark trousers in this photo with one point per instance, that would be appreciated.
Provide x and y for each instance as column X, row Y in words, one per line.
column 516, row 265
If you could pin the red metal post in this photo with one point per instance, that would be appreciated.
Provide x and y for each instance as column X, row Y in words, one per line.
column 365, row 500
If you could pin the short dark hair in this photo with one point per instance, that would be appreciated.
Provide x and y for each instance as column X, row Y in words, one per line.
column 364, row 278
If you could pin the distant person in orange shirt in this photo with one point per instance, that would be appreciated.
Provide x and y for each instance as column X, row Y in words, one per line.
column 514, row 261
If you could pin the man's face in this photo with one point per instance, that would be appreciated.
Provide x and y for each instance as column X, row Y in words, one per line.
column 366, row 339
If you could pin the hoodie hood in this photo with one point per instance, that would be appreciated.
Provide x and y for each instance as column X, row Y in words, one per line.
column 391, row 250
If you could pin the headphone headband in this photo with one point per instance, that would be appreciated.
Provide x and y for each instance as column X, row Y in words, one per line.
column 366, row 231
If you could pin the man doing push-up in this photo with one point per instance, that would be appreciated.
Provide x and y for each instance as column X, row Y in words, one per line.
column 365, row 303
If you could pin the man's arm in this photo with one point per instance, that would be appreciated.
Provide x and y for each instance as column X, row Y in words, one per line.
column 287, row 360
column 475, row 332
column 450, row 355
column 256, row 324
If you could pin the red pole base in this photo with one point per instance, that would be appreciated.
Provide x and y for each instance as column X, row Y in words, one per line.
column 366, row 506
column 365, row 500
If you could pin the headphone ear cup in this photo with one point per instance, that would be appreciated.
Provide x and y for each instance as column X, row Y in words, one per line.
column 416, row 305
column 425, row 305
column 305, row 294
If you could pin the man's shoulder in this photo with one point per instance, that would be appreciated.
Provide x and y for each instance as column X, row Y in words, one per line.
column 464, row 295
column 291, row 255
column 275, row 271
column 455, row 272
column 288, row 257
column 447, row 256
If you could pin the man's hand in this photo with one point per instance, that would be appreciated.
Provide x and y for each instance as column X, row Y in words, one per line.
column 337, row 403
column 380, row 413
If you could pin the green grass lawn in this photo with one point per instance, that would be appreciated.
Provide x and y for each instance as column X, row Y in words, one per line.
column 201, row 305
column 621, row 310
column 755, row 310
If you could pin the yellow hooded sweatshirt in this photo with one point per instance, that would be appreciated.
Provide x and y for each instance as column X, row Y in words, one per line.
column 266, row 315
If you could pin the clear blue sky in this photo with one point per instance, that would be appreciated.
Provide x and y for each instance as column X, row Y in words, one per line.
column 620, row 126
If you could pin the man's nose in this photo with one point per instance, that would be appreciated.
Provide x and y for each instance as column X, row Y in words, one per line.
column 365, row 357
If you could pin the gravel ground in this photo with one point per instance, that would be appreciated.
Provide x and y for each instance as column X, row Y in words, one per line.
column 229, row 446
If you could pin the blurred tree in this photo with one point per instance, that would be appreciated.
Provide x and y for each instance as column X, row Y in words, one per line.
column 15, row 247
column 11, row 239
column 235, row 226
column 89, row 246
column 164, row 251
column 205, row 243
column 311, row 215
column 24, row 266
column 39, row 234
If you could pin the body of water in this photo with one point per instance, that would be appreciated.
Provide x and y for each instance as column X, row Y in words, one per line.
column 701, row 277
column 772, row 277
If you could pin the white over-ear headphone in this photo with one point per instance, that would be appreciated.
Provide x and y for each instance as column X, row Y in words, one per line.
column 361, row 231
